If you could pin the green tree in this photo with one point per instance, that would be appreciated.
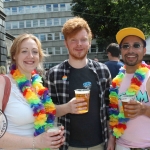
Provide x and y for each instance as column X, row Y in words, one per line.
column 106, row 17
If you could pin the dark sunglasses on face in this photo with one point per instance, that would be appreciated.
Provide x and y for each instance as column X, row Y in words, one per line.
column 134, row 46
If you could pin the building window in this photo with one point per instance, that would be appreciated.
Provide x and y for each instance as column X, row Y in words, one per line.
column 62, row 20
column 57, row 36
column 35, row 9
column 42, row 22
column 14, row 10
column 62, row 7
column 36, row 35
column 68, row 6
column 50, row 50
column 41, row 8
column 55, row 7
column 62, row 37
column 35, row 23
column 21, row 10
column 42, row 37
column 21, row 24
column 56, row 21
column 50, row 36
column 93, row 48
column 57, row 51
column 8, row 25
column 7, row 11
column 49, row 22
column 27, row 9
column 48, row 7
column 14, row 25
column 28, row 23
column 64, row 50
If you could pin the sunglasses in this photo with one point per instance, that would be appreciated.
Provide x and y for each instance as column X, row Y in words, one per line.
column 134, row 46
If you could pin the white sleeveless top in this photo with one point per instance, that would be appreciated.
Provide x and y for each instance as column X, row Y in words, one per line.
column 18, row 112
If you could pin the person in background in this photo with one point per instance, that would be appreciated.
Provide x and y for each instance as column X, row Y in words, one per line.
column 30, row 110
column 96, row 59
column 131, row 132
column 88, row 130
column 41, row 72
column 3, row 70
column 114, row 63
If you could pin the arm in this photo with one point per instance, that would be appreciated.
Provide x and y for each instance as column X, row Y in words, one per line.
column 136, row 108
column 2, row 87
column 62, row 109
column 48, row 140
column 73, row 106
column 111, row 142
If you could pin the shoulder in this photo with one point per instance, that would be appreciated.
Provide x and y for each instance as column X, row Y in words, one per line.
column 2, row 80
column 98, row 66
column 121, row 63
column 58, row 67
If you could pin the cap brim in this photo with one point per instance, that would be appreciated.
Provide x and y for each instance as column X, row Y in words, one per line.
column 129, row 31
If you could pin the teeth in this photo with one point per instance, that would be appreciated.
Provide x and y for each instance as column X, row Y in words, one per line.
column 29, row 62
column 131, row 56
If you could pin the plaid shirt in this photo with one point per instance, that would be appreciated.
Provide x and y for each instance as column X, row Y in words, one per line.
column 59, row 92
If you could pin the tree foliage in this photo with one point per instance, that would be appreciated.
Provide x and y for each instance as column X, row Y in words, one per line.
column 106, row 17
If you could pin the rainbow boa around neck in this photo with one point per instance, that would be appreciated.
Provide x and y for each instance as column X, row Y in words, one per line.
column 37, row 96
column 117, row 120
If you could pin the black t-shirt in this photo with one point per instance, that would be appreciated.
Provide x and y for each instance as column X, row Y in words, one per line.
column 85, row 129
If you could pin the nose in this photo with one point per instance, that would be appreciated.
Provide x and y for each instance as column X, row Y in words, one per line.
column 131, row 48
column 79, row 42
column 30, row 54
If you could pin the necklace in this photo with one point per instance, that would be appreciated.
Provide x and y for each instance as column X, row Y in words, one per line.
column 117, row 119
column 40, row 102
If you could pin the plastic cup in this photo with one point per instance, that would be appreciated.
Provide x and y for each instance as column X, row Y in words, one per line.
column 125, row 99
column 56, row 126
column 84, row 94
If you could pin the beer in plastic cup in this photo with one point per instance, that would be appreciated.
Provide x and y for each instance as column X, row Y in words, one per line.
column 55, row 127
column 125, row 99
column 84, row 94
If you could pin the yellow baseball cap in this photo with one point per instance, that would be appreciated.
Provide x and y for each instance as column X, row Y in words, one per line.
column 129, row 31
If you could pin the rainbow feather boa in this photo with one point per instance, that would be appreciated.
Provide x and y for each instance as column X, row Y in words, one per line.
column 43, row 108
column 117, row 119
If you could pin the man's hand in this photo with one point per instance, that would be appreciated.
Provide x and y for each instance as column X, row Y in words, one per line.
column 75, row 105
column 135, row 108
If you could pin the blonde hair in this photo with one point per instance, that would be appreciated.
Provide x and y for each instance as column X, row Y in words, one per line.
column 74, row 25
column 2, row 70
column 14, row 50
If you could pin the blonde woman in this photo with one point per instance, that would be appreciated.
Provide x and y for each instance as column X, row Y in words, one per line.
column 2, row 70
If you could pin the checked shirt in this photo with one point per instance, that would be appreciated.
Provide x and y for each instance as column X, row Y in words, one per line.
column 59, row 92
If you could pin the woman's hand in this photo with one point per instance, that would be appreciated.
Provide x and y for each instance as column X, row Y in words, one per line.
column 50, row 139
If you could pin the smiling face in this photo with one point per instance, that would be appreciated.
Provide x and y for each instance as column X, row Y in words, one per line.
column 78, row 45
column 132, row 56
column 28, row 57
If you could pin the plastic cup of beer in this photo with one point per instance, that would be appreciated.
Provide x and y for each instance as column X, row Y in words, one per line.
column 125, row 99
column 55, row 127
column 84, row 94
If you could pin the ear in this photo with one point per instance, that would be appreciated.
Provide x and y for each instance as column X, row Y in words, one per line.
column 65, row 42
column 144, row 50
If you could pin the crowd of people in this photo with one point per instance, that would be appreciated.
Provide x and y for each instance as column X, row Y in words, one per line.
column 34, row 104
